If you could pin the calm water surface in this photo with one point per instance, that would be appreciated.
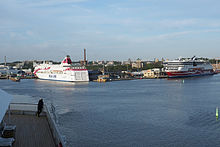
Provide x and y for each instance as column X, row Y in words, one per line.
column 157, row 112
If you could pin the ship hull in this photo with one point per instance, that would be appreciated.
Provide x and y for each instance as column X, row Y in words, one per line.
column 77, row 76
column 179, row 74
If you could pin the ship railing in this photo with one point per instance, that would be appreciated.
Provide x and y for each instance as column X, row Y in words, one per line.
column 52, row 123
column 31, row 109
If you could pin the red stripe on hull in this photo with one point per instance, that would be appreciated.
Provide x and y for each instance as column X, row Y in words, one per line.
column 41, row 69
column 69, row 69
column 187, row 73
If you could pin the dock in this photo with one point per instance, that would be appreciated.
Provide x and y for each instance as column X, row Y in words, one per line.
column 32, row 131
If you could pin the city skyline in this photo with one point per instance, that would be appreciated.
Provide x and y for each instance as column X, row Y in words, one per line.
column 109, row 30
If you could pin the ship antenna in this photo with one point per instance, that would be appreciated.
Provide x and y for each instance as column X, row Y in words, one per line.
column 193, row 58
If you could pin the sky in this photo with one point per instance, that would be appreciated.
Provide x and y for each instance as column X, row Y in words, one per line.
column 109, row 29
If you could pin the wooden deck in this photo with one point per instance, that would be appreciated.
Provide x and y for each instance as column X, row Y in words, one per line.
column 31, row 131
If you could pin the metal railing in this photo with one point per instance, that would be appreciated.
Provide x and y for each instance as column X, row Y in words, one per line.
column 52, row 123
column 23, row 107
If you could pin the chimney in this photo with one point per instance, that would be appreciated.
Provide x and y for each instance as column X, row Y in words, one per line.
column 85, row 57
column 5, row 60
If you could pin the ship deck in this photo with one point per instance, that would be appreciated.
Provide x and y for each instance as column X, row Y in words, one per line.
column 32, row 131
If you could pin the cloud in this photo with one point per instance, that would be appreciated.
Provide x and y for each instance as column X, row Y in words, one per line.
column 175, row 23
column 173, row 35
column 49, row 3
column 17, row 36
column 162, row 37
column 82, row 9
column 21, row 36
column 30, row 33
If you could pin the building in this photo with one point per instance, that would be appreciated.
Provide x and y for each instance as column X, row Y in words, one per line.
column 101, row 62
column 156, row 60
column 129, row 62
column 137, row 64
column 19, row 65
column 110, row 63
column 35, row 63
column 137, row 74
column 216, row 67
column 154, row 73
column 148, row 73
column 94, row 63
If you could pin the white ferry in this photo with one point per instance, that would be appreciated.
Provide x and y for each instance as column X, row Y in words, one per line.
column 188, row 67
column 65, row 71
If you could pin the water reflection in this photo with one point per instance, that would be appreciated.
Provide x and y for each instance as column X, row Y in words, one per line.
column 59, row 82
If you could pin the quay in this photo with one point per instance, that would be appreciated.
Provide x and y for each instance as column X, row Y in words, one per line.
column 32, row 131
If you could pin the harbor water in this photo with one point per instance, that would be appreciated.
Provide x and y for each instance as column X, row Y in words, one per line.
column 147, row 112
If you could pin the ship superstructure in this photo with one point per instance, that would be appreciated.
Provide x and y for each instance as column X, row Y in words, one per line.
column 65, row 71
column 186, row 67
